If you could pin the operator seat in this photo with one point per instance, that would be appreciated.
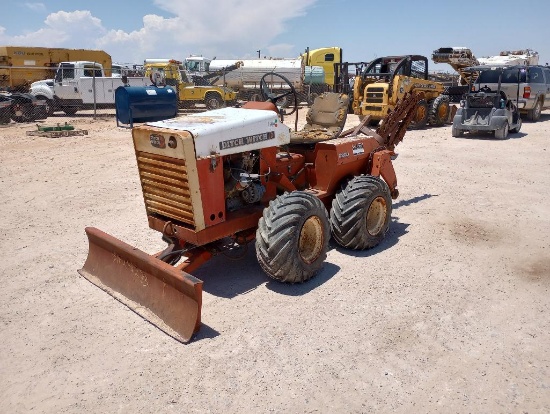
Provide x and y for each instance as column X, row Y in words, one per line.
column 325, row 119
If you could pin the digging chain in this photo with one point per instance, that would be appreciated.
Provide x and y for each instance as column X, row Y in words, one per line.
column 395, row 124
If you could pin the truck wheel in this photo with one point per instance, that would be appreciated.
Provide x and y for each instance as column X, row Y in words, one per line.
column 361, row 212
column 70, row 111
column 49, row 104
column 213, row 101
column 21, row 112
column 439, row 111
column 292, row 237
column 502, row 133
column 534, row 114
column 420, row 118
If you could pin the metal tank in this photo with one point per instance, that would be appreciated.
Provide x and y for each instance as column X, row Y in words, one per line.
column 145, row 103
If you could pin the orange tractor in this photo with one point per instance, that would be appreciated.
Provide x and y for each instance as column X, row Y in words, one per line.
column 221, row 179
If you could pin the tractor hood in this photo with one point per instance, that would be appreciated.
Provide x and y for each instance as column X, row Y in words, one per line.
column 230, row 130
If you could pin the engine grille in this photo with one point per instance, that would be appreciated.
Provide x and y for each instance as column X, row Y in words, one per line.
column 374, row 95
column 165, row 186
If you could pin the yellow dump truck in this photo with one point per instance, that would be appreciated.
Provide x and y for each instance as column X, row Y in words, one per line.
column 21, row 65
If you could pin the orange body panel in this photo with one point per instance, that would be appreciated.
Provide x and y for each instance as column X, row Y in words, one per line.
column 341, row 158
column 210, row 172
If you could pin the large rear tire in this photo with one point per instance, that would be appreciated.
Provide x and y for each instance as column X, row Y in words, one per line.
column 361, row 212
column 292, row 237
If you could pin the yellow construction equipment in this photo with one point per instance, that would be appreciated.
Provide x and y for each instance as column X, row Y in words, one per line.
column 386, row 80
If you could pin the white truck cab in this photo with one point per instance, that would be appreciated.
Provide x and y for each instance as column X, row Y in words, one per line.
column 82, row 85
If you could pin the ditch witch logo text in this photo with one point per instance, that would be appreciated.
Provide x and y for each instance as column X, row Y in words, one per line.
column 251, row 139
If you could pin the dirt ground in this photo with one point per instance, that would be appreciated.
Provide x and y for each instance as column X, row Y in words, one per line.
column 450, row 313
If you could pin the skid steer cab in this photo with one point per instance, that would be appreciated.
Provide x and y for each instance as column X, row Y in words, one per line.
column 220, row 179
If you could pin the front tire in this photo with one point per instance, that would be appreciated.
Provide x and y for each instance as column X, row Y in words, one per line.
column 70, row 111
column 361, row 212
column 292, row 237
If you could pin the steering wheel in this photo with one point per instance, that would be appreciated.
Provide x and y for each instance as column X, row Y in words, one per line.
column 485, row 89
column 268, row 95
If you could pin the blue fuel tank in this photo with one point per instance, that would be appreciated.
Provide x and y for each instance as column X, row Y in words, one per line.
column 145, row 103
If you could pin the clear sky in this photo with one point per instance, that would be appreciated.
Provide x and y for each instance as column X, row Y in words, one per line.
column 131, row 31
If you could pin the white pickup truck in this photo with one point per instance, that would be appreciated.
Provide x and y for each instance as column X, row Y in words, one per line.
column 81, row 85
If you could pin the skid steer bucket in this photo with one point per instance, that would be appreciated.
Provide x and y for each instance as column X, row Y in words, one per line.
column 168, row 298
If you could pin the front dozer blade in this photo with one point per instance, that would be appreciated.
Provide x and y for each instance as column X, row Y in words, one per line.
column 168, row 298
